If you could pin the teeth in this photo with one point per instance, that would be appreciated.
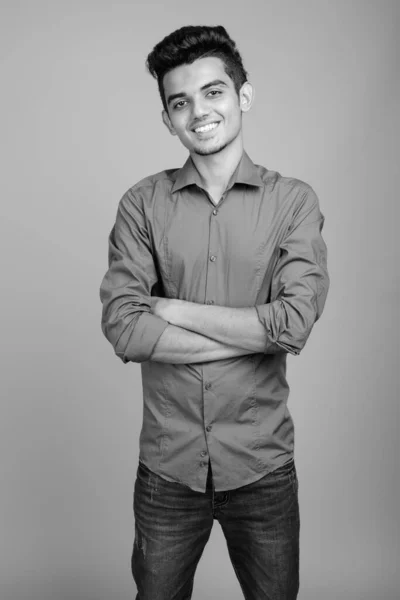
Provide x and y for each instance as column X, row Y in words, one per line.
column 206, row 128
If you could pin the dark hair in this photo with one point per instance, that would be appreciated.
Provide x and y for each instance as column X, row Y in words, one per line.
column 187, row 44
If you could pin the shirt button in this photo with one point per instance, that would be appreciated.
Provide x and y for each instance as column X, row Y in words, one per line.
column 203, row 453
column 213, row 258
column 209, row 427
column 207, row 386
column 215, row 212
column 203, row 464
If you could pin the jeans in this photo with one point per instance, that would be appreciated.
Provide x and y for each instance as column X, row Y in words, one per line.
column 260, row 522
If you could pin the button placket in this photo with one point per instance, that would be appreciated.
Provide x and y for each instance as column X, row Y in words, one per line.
column 211, row 291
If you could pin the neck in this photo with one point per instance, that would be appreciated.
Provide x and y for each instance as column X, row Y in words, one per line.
column 216, row 169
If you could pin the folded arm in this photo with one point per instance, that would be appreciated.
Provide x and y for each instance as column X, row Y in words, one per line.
column 239, row 327
column 177, row 345
column 135, row 332
column 299, row 288
column 127, row 321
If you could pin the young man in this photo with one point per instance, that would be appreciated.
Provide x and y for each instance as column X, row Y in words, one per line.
column 216, row 271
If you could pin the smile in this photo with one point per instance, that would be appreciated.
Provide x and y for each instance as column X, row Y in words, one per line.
column 206, row 128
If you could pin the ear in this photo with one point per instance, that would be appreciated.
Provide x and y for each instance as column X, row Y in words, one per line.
column 167, row 122
column 246, row 96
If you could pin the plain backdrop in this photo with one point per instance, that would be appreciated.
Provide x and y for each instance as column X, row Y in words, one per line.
column 80, row 124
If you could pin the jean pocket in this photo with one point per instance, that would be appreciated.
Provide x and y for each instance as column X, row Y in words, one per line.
column 286, row 472
column 284, row 469
column 142, row 471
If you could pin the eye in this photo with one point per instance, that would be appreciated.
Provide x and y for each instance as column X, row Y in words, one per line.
column 214, row 93
column 180, row 104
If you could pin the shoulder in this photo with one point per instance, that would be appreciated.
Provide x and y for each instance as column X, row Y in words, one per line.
column 283, row 184
column 164, row 178
column 293, row 198
column 145, row 189
column 288, row 189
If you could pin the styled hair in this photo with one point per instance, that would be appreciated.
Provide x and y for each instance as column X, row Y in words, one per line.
column 187, row 44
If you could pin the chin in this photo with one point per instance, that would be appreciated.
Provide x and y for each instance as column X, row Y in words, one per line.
column 209, row 151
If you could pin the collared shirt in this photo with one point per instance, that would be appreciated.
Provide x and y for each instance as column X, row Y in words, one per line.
column 260, row 246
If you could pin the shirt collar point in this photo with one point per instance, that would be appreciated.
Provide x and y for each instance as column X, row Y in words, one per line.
column 246, row 173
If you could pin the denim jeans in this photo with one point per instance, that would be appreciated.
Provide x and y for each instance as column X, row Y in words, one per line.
column 260, row 522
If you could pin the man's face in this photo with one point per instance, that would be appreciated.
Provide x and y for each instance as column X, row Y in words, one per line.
column 204, row 109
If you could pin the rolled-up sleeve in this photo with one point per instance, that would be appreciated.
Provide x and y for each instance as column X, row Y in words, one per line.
column 126, row 288
column 300, row 281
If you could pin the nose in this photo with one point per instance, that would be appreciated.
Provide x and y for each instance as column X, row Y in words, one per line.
column 200, row 108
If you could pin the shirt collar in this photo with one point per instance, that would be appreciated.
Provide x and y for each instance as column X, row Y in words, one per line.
column 246, row 172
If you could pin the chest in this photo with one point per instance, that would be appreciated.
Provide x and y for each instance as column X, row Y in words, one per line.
column 231, row 246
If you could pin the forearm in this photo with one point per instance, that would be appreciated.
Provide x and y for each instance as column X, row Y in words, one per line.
column 179, row 346
column 239, row 327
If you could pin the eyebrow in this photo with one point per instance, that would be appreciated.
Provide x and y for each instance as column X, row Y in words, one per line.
column 204, row 87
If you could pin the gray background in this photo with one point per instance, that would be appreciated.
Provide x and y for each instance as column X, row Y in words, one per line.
column 80, row 123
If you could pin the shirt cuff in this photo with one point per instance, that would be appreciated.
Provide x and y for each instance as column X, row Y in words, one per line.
column 274, row 344
column 147, row 332
column 260, row 308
